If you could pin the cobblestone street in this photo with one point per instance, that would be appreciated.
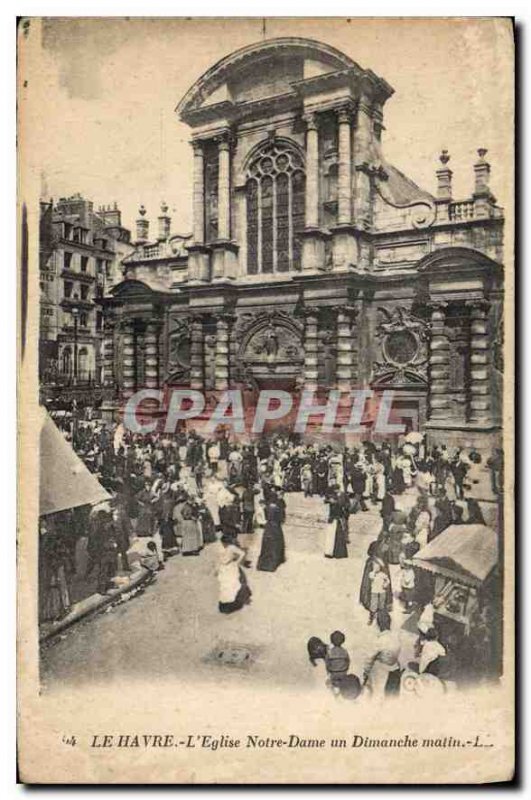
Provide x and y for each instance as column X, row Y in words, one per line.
column 175, row 626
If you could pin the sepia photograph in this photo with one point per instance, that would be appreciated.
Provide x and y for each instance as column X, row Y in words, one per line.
column 266, row 291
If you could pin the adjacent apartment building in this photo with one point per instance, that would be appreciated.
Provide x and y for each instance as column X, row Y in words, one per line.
column 81, row 251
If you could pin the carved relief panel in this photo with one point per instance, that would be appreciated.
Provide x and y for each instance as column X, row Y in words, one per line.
column 267, row 345
column 402, row 340
column 178, row 351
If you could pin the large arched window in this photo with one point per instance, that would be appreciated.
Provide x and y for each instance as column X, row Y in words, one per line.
column 275, row 209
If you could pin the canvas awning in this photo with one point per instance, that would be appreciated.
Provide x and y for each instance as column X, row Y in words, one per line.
column 65, row 482
column 467, row 553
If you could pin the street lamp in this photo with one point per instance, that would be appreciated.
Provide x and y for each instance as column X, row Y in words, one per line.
column 75, row 313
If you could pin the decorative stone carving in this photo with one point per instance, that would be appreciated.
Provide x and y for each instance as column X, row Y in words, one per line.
column 269, row 343
column 403, row 340
column 497, row 348
column 178, row 364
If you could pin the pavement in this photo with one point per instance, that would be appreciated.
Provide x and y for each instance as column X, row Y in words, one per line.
column 174, row 626
column 93, row 603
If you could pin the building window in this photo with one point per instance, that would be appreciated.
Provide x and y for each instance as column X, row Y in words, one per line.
column 99, row 321
column 82, row 362
column 67, row 260
column 68, row 287
column 84, row 263
column 275, row 209
column 66, row 361
column 84, row 292
column 83, row 320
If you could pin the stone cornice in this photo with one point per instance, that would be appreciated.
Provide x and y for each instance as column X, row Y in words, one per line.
column 343, row 71
column 219, row 72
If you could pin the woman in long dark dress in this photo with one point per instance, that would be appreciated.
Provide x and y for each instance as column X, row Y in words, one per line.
column 336, row 532
column 272, row 552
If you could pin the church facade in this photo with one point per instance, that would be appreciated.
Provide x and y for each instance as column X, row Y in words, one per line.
column 313, row 262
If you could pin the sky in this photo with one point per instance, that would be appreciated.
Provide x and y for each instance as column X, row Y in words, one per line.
column 103, row 93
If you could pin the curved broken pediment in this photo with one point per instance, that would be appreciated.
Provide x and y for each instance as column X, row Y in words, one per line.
column 462, row 259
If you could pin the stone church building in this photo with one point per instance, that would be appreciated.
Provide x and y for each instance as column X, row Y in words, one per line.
column 313, row 261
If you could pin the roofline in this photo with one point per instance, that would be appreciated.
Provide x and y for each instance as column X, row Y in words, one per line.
column 216, row 72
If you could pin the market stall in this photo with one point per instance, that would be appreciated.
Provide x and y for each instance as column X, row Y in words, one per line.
column 67, row 490
column 461, row 559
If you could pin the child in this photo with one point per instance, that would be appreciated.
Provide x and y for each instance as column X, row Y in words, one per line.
column 379, row 583
column 337, row 659
column 150, row 559
column 407, row 584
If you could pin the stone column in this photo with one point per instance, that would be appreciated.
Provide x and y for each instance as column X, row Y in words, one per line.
column 345, row 319
column 196, row 353
column 344, row 176
column 480, row 363
column 362, row 152
column 222, row 352
column 108, row 356
column 310, row 348
column 198, row 253
column 198, row 194
column 224, row 188
column 224, row 250
column 344, row 243
column 312, row 171
column 128, row 366
column 313, row 239
column 439, row 363
column 151, row 342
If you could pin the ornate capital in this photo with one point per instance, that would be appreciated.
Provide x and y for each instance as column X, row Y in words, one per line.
column 311, row 121
column 435, row 306
column 154, row 326
column 364, row 105
column 196, row 319
column 225, row 319
column 344, row 113
column 350, row 311
column 308, row 313
column 224, row 140
column 478, row 307
column 197, row 146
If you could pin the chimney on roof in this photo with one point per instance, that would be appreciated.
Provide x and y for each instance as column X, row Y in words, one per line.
column 444, row 178
column 142, row 226
column 112, row 217
column 164, row 222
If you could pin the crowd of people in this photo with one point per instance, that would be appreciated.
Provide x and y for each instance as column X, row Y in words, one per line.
column 383, row 673
column 177, row 495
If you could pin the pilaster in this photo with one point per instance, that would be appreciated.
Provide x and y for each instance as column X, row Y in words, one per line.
column 152, row 354
column 439, row 363
column 480, row 411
